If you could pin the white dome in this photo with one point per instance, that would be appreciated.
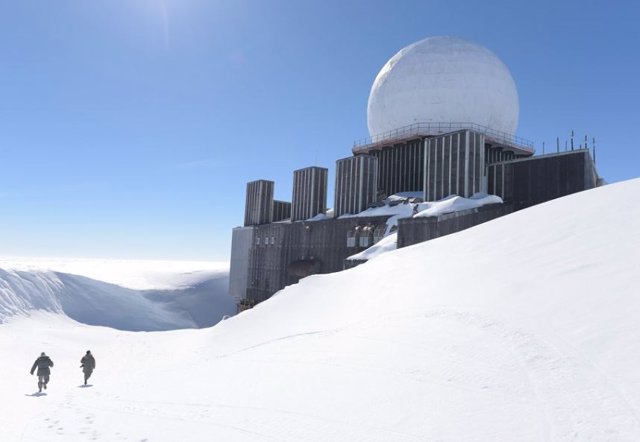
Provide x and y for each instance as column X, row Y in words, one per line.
column 443, row 79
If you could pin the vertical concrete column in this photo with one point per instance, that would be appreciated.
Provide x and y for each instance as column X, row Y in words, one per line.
column 309, row 193
column 356, row 184
column 258, row 203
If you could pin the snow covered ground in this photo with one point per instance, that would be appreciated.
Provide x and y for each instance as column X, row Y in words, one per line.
column 133, row 274
column 127, row 295
column 524, row 328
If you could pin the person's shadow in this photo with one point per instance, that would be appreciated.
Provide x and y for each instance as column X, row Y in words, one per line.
column 37, row 394
column 85, row 386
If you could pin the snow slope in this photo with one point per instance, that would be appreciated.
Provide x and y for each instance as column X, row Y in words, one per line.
column 387, row 244
column 524, row 328
column 170, row 295
column 133, row 274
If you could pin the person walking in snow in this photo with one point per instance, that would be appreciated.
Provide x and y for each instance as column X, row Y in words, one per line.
column 43, row 364
column 88, row 364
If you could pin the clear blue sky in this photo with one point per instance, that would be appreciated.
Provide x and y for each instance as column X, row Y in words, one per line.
column 129, row 128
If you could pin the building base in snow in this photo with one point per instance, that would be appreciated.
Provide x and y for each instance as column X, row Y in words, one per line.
column 269, row 254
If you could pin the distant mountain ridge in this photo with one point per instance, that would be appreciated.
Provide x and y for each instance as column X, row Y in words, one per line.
column 200, row 304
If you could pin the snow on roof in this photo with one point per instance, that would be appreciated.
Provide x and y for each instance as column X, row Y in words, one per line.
column 456, row 203
column 388, row 208
column 449, row 204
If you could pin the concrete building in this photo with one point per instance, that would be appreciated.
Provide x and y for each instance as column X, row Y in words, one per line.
column 431, row 133
column 258, row 207
column 271, row 256
column 400, row 165
column 356, row 184
column 538, row 179
column 281, row 211
column 267, row 257
column 309, row 193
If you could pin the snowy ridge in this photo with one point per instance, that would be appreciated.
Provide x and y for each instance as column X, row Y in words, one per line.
column 133, row 274
column 21, row 292
column 524, row 328
column 197, row 299
column 537, row 339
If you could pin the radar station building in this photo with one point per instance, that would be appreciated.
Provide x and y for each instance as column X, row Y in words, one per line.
column 463, row 145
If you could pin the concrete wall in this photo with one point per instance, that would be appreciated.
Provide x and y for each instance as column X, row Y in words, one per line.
column 356, row 184
column 309, row 193
column 521, row 183
column 534, row 180
column 267, row 257
column 498, row 155
column 281, row 210
column 454, row 164
column 414, row 230
column 241, row 242
column 283, row 253
column 400, row 167
column 258, row 203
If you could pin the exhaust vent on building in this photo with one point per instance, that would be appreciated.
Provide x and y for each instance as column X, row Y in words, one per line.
column 309, row 193
column 356, row 184
column 259, row 203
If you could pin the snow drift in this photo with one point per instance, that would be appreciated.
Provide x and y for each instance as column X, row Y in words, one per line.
column 523, row 328
column 406, row 209
column 168, row 296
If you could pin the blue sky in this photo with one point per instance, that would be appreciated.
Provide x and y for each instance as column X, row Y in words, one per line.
column 129, row 128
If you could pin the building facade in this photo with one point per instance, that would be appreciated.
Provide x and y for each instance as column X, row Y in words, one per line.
column 267, row 256
column 258, row 207
column 309, row 193
column 356, row 184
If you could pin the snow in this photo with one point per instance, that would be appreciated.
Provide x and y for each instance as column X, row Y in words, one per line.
column 386, row 244
column 523, row 328
column 405, row 195
column 402, row 209
column 133, row 274
column 319, row 217
column 171, row 294
column 446, row 205
column 398, row 206
column 456, row 204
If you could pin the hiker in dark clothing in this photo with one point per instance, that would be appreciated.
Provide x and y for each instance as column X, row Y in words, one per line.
column 42, row 364
column 88, row 364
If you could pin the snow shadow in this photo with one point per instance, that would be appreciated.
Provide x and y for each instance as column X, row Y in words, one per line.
column 99, row 303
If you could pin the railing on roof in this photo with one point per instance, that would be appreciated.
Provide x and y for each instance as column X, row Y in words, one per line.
column 436, row 128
